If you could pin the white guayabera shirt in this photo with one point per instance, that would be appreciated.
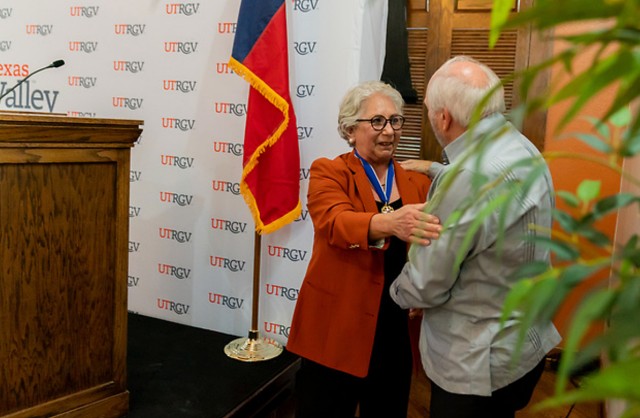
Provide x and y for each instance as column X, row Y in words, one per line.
column 463, row 348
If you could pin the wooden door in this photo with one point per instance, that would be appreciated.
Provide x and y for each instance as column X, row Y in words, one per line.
column 441, row 29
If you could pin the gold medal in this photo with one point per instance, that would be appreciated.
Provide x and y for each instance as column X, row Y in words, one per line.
column 386, row 209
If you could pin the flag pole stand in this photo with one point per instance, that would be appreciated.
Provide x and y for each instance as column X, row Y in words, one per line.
column 254, row 348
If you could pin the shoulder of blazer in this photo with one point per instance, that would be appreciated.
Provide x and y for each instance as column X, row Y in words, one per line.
column 419, row 181
column 347, row 161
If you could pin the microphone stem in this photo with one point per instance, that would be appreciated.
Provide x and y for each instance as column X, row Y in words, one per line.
column 23, row 80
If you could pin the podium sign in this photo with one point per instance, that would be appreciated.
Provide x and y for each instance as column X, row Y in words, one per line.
column 64, row 197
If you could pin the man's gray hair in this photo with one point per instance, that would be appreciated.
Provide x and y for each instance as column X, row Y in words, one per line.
column 460, row 97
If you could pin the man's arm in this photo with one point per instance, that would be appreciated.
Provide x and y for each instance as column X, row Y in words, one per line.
column 427, row 278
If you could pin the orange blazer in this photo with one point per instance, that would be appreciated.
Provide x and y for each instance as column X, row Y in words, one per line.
column 336, row 313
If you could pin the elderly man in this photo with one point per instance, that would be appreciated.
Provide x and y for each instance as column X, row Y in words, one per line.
column 461, row 284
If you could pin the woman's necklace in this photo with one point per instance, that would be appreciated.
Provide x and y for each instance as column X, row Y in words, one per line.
column 383, row 193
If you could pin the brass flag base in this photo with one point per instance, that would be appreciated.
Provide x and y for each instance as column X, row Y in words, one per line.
column 253, row 348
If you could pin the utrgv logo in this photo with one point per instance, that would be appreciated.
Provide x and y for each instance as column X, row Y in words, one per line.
column 225, row 186
column 134, row 211
column 228, row 148
column 185, row 48
column 288, row 253
column 86, row 82
column 77, row 114
column 169, row 305
column 133, row 281
column 278, row 329
column 83, row 46
column 181, row 273
column 5, row 46
column 305, row 173
column 5, row 12
column 304, row 132
column 175, row 123
column 237, row 109
column 129, row 66
column 228, row 301
column 305, row 90
column 176, row 161
column 128, row 29
column 171, row 234
column 134, row 176
column 177, row 85
column 187, row 9
column 305, row 47
column 223, row 68
column 304, row 215
column 227, row 263
column 130, row 103
column 305, row 6
column 84, row 11
column 42, row 30
column 134, row 247
column 231, row 226
column 285, row 292
column 175, row 198
column 227, row 27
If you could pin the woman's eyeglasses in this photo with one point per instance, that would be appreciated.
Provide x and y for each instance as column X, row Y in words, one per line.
column 378, row 122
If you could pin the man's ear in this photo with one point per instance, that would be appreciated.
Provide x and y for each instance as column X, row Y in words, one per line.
column 445, row 119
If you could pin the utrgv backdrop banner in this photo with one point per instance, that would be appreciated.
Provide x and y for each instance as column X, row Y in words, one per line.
column 166, row 62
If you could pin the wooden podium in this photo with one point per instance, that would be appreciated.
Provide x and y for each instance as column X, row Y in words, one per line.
column 64, row 197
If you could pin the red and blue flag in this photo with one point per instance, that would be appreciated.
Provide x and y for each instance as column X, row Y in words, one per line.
column 270, row 182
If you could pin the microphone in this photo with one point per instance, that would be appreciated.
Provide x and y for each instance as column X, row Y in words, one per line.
column 54, row 64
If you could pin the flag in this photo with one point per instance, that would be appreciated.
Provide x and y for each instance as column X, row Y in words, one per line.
column 270, row 182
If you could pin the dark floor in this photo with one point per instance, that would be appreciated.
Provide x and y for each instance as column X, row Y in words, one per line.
column 177, row 371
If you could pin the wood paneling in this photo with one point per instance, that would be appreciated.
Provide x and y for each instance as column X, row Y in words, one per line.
column 63, row 237
column 411, row 140
column 441, row 29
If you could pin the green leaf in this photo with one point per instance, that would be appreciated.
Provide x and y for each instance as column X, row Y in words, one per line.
column 569, row 198
column 550, row 13
column 535, row 307
column 601, row 127
column 617, row 381
column 565, row 220
column 588, row 190
column 593, row 235
column 595, row 142
column 613, row 203
column 622, row 117
column 499, row 16
column 530, row 270
column 574, row 274
column 593, row 307
column 630, row 145
column 563, row 251
column 515, row 298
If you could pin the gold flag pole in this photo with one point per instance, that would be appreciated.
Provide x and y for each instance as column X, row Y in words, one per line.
column 254, row 348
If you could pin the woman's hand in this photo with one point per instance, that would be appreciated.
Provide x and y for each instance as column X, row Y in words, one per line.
column 410, row 224
column 421, row 166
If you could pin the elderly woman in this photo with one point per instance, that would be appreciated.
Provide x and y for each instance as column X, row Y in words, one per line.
column 365, row 208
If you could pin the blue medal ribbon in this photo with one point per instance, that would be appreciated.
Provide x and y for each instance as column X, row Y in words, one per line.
column 385, row 195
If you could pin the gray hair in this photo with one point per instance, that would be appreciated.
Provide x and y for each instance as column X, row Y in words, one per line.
column 351, row 105
column 460, row 96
